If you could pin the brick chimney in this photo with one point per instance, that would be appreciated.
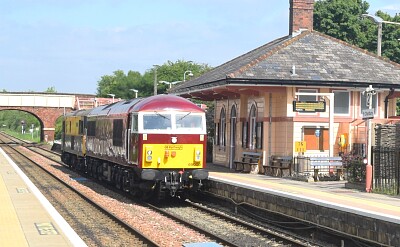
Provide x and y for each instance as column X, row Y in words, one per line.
column 301, row 15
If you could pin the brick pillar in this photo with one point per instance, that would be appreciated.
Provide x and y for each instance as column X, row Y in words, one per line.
column 48, row 134
column 301, row 15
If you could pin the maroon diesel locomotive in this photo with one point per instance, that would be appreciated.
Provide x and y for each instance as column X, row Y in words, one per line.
column 148, row 146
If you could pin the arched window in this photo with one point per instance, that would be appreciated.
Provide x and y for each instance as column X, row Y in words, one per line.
column 252, row 131
column 252, row 127
column 222, row 128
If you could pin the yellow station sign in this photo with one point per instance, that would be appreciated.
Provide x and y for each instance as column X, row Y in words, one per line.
column 300, row 147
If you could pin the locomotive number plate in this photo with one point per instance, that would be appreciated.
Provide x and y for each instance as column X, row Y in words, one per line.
column 173, row 147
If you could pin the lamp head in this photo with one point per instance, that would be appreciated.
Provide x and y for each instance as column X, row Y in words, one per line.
column 374, row 18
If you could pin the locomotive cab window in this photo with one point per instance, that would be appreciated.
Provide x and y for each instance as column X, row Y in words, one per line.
column 188, row 121
column 134, row 123
column 157, row 121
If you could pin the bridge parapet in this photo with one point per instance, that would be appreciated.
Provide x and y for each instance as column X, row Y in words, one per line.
column 47, row 107
column 91, row 102
column 37, row 100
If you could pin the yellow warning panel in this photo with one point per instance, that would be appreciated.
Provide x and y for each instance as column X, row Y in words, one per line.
column 300, row 147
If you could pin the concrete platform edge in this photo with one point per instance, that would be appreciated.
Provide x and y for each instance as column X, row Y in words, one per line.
column 65, row 227
column 384, row 217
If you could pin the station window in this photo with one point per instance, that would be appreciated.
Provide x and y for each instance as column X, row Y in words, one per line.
column 244, row 134
column 259, row 134
column 342, row 102
column 308, row 97
column 216, row 134
column 222, row 128
column 252, row 127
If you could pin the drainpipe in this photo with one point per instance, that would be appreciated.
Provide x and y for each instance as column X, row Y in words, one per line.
column 387, row 101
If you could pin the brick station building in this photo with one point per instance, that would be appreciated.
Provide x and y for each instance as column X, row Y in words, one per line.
column 254, row 94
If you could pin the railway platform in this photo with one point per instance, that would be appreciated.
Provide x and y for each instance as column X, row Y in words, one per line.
column 326, row 203
column 26, row 217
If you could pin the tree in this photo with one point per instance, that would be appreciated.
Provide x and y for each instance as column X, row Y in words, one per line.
column 51, row 89
column 11, row 119
column 174, row 71
column 120, row 84
column 342, row 19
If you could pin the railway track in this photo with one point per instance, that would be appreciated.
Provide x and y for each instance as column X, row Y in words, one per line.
column 228, row 230
column 94, row 225
column 225, row 229
column 218, row 227
column 222, row 230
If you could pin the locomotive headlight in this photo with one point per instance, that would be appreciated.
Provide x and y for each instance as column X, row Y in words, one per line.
column 174, row 139
column 149, row 154
column 197, row 155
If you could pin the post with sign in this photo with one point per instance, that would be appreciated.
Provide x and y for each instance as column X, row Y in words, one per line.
column 369, row 114
column 300, row 148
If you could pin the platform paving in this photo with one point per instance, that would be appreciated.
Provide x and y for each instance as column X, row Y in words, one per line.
column 26, row 217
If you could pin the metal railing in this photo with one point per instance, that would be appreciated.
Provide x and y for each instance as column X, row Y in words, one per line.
column 386, row 168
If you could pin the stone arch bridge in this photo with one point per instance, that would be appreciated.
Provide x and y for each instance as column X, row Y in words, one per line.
column 47, row 107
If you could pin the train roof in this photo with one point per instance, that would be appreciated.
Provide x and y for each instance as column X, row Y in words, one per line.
column 119, row 107
column 77, row 113
column 153, row 103
column 166, row 102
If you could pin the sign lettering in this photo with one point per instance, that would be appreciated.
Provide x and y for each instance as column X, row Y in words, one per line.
column 309, row 106
column 368, row 114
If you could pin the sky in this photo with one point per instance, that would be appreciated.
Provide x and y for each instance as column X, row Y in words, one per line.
column 70, row 44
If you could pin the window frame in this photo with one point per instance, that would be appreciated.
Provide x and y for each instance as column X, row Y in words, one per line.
column 222, row 128
column 301, row 97
column 349, row 103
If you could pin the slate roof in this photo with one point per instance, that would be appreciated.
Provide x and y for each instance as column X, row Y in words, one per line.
column 318, row 59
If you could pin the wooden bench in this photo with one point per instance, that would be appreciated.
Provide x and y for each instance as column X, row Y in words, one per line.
column 248, row 160
column 277, row 164
column 326, row 163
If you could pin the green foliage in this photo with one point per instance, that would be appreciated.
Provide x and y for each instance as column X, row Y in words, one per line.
column 28, row 136
column 11, row 122
column 398, row 107
column 355, row 168
column 343, row 20
column 58, row 129
column 390, row 36
column 51, row 90
column 120, row 84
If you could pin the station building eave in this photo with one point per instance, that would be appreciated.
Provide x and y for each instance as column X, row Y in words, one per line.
column 233, row 88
